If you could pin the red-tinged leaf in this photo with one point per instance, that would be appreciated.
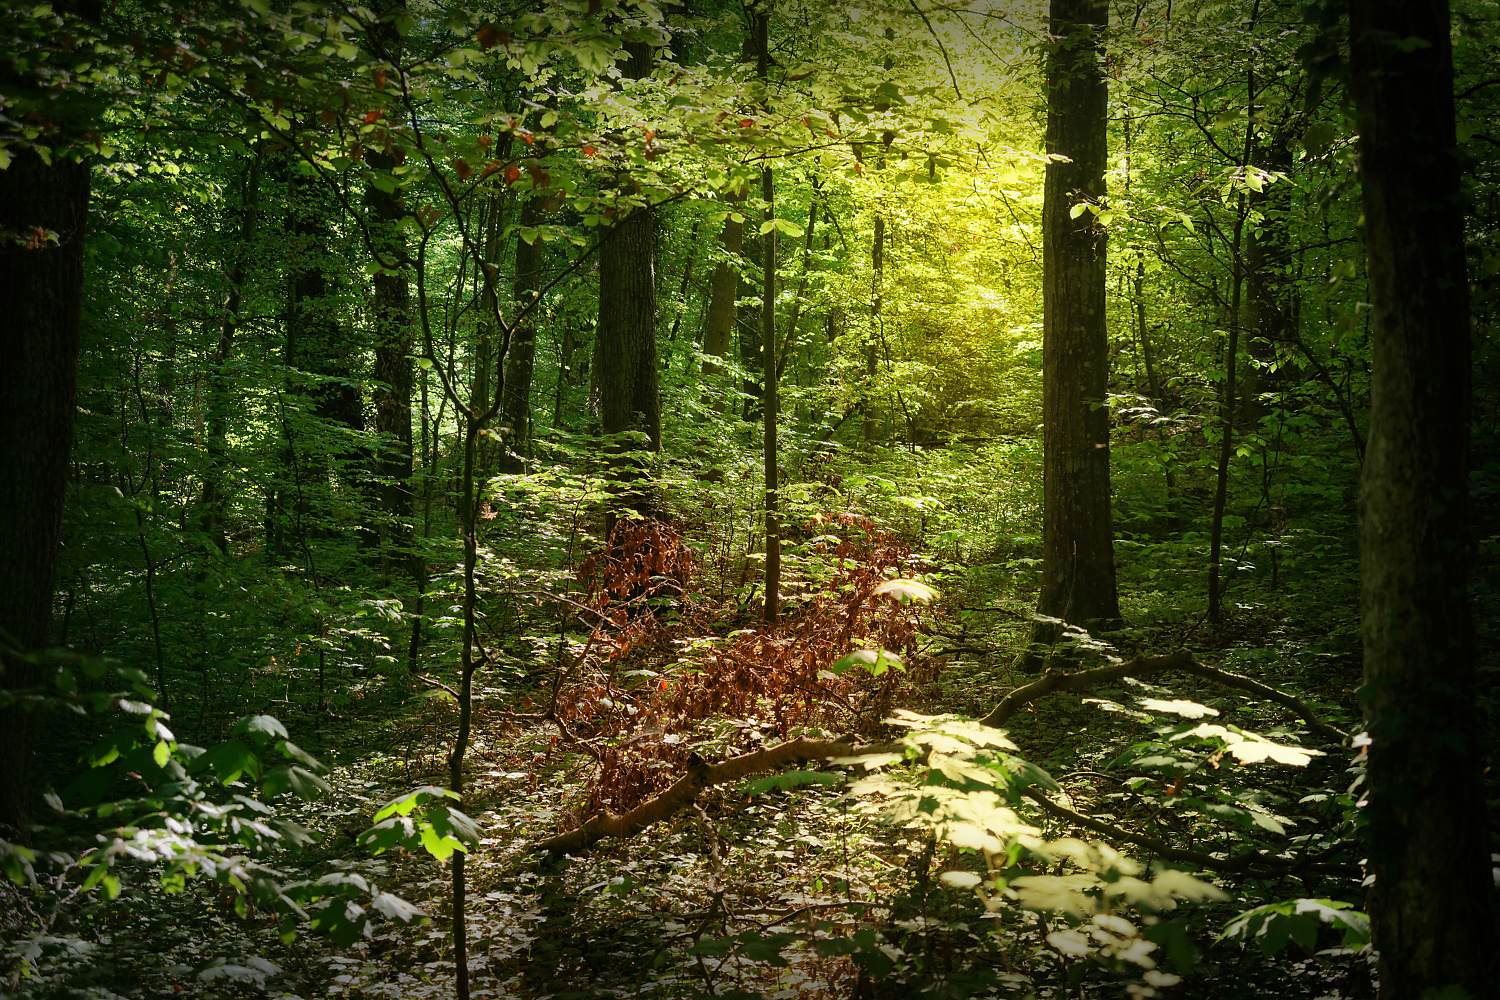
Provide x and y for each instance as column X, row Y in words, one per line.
column 526, row 137
column 801, row 76
column 489, row 168
column 487, row 37
column 379, row 75
column 673, row 82
column 588, row 151
column 373, row 116
column 746, row 122
column 461, row 168
column 512, row 174
column 484, row 141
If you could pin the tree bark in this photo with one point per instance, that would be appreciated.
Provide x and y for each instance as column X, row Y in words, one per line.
column 871, row 429
column 1432, row 903
column 43, row 217
column 1078, row 568
column 520, row 359
column 243, row 220
column 724, row 292
column 391, row 313
column 625, row 363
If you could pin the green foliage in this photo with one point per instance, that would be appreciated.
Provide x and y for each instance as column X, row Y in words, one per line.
column 424, row 820
column 1273, row 926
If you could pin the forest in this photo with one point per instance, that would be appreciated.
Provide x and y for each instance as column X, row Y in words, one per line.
column 750, row 499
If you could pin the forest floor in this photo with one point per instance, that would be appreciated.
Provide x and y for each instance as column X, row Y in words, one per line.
column 693, row 906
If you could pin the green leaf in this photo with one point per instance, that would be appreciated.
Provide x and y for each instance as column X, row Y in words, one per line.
column 296, row 753
column 1318, row 138
column 341, row 921
column 395, row 908
column 227, row 761
column 877, row 661
column 397, row 831
column 260, row 728
column 291, row 778
column 907, row 590
column 404, row 804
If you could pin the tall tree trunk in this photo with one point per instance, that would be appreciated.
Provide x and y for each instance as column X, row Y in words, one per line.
column 520, row 358
column 41, row 285
column 625, row 362
column 318, row 344
column 681, row 304
column 624, row 366
column 318, row 341
column 871, row 429
column 242, row 221
column 1078, row 568
column 789, row 344
column 1229, row 388
column 1270, row 295
column 770, row 398
column 872, row 343
column 723, row 293
column 391, row 314
column 485, row 361
column 1432, row 902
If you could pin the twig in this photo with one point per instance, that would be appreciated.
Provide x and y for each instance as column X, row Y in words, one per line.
column 430, row 682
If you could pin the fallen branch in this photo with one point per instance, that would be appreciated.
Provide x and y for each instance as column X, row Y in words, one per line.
column 685, row 790
column 1143, row 666
column 1253, row 863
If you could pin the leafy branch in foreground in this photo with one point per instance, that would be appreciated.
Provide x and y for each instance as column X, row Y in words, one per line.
column 151, row 808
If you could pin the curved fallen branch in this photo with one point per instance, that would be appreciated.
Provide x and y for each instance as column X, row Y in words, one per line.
column 685, row 789
column 1143, row 666
column 1253, row 863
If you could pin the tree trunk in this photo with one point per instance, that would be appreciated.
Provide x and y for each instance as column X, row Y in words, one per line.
column 41, row 284
column 318, row 342
column 624, row 365
column 391, row 313
column 243, row 220
column 520, row 358
column 724, row 292
column 1432, row 903
column 872, row 343
column 1078, row 569
column 1229, row 388
column 770, row 399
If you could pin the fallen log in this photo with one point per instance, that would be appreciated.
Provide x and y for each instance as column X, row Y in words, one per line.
column 1143, row 666
column 684, row 790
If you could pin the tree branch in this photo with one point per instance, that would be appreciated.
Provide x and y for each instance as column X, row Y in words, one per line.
column 684, row 790
column 1143, row 666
